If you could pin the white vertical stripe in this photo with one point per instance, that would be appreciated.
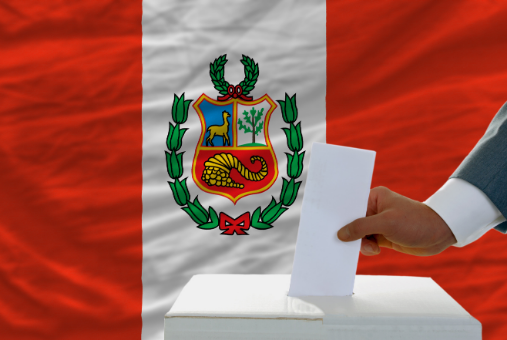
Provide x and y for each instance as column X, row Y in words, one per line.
column 180, row 39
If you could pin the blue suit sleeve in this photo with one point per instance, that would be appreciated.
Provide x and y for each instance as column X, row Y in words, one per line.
column 486, row 165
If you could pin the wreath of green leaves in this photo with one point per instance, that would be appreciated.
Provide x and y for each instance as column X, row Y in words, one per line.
column 208, row 218
column 216, row 72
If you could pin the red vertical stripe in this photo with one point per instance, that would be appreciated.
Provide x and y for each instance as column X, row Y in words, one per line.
column 419, row 82
column 70, row 170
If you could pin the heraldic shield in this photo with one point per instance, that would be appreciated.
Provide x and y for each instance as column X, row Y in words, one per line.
column 234, row 157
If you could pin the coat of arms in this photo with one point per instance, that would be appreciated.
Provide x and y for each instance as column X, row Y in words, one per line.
column 234, row 156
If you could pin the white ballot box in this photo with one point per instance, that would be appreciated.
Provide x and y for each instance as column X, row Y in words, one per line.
column 237, row 307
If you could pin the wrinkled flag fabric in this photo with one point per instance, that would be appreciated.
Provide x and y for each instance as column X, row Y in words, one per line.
column 106, row 120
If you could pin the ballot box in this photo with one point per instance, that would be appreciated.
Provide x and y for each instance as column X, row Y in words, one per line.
column 237, row 307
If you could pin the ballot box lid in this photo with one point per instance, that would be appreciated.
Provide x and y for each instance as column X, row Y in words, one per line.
column 266, row 296
column 413, row 303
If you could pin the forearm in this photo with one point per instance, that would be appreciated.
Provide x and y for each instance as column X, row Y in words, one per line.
column 486, row 165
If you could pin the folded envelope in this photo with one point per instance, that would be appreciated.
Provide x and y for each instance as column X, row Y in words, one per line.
column 336, row 193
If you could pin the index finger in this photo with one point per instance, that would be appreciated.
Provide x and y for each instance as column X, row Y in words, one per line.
column 375, row 224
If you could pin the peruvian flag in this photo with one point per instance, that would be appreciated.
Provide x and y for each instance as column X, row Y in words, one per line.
column 143, row 142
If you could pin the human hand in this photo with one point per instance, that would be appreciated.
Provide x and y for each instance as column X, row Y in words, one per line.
column 397, row 222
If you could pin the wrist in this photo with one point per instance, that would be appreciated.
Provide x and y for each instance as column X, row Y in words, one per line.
column 444, row 237
column 468, row 212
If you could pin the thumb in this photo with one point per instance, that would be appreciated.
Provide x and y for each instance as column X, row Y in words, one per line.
column 375, row 224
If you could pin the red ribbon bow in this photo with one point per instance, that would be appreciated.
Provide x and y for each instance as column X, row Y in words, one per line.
column 234, row 225
column 234, row 92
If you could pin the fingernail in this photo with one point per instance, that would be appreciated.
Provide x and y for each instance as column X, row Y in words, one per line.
column 344, row 234
column 368, row 248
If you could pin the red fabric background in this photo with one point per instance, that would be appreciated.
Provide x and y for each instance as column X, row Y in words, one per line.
column 416, row 81
column 419, row 82
column 70, row 203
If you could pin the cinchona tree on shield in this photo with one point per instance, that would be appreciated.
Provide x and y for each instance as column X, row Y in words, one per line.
column 252, row 122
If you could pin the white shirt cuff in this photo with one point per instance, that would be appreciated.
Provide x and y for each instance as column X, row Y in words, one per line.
column 468, row 212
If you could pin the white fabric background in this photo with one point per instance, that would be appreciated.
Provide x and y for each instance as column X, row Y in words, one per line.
column 180, row 39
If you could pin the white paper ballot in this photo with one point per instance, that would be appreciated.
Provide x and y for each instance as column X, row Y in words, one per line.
column 336, row 193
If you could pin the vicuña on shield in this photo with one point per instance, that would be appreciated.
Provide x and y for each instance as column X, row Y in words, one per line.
column 219, row 130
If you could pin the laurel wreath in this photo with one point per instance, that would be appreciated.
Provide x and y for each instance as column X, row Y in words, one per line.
column 216, row 72
column 208, row 218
